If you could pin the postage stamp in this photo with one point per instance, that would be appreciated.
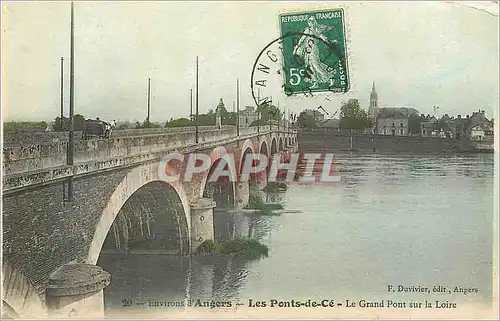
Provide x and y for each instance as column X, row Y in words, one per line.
column 317, row 60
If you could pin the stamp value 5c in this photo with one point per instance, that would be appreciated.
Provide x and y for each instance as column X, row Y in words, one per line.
column 314, row 56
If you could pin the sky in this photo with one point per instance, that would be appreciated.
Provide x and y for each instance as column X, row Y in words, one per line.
column 419, row 55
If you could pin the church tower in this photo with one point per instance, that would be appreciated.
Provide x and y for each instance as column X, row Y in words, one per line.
column 373, row 101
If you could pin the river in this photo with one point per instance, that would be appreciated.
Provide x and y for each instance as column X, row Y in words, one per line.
column 390, row 220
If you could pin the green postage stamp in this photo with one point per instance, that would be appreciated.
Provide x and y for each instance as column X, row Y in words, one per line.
column 314, row 52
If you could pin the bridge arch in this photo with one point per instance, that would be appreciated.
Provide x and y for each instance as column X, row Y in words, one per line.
column 226, row 184
column 259, row 180
column 264, row 147
column 142, row 184
column 20, row 298
column 246, row 148
column 274, row 146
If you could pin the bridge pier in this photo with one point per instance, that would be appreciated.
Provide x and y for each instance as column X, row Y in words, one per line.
column 76, row 291
column 259, row 182
column 202, row 221
column 242, row 195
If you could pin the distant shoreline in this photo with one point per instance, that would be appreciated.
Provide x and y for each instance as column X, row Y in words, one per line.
column 321, row 141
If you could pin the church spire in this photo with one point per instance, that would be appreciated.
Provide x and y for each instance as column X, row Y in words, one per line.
column 373, row 97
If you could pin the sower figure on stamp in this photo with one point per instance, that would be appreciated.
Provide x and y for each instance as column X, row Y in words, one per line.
column 307, row 49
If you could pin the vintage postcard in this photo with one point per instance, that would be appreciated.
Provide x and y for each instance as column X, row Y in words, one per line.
column 250, row 160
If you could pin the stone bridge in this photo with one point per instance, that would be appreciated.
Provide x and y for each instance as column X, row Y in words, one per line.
column 121, row 203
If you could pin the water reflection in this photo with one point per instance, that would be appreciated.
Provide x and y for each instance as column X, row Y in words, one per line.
column 392, row 219
column 147, row 278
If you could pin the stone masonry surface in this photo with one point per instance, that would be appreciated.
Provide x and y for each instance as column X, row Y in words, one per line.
column 41, row 233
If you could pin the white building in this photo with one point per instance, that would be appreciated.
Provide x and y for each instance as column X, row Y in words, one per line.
column 247, row 116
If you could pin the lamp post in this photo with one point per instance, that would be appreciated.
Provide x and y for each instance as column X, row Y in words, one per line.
column 71, row 103
column 62, row 95
column 149, row 102
column 62, row 114
column 237, row 107
column 191, row 104
column 197, row 98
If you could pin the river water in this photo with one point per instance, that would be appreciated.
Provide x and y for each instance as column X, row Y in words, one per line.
column 391, row 220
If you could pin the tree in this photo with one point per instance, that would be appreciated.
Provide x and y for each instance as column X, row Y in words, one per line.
column 222, row 110
column 148, row 124
column 124, row 125
column 306, row 120
column 12, row 127
column 206, row 119
column 231, row 119
column 267, row 113
column 179, row 122
column 78, row 123
column 353, row 117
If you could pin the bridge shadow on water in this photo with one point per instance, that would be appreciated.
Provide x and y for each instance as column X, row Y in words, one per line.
column 152, row 273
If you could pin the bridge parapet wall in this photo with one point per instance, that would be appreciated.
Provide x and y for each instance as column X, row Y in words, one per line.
column 102, row 155
column 42, row 138
column 33, row 157
column 42, row 233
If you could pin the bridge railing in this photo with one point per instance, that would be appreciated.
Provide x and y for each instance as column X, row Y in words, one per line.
column 41, row 138
column 33, row 157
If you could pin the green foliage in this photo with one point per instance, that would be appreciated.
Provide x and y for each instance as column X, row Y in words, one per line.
column 352, row 116
column 263, row 208
column 78, row 123
column 179, row 122
column 222, row 110
column 247, row 249
column 306, row 120
column 125, row 125
column 274, row 187
column 269, row 112
column 208, row 246
column 11, row 127
column 206, row 119
column 230, row 119
column 146, row 124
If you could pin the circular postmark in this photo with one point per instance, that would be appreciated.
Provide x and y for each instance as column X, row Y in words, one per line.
column 300, row 64
column 309, row 59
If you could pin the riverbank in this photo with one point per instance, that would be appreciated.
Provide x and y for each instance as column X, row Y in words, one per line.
column 334, row 142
